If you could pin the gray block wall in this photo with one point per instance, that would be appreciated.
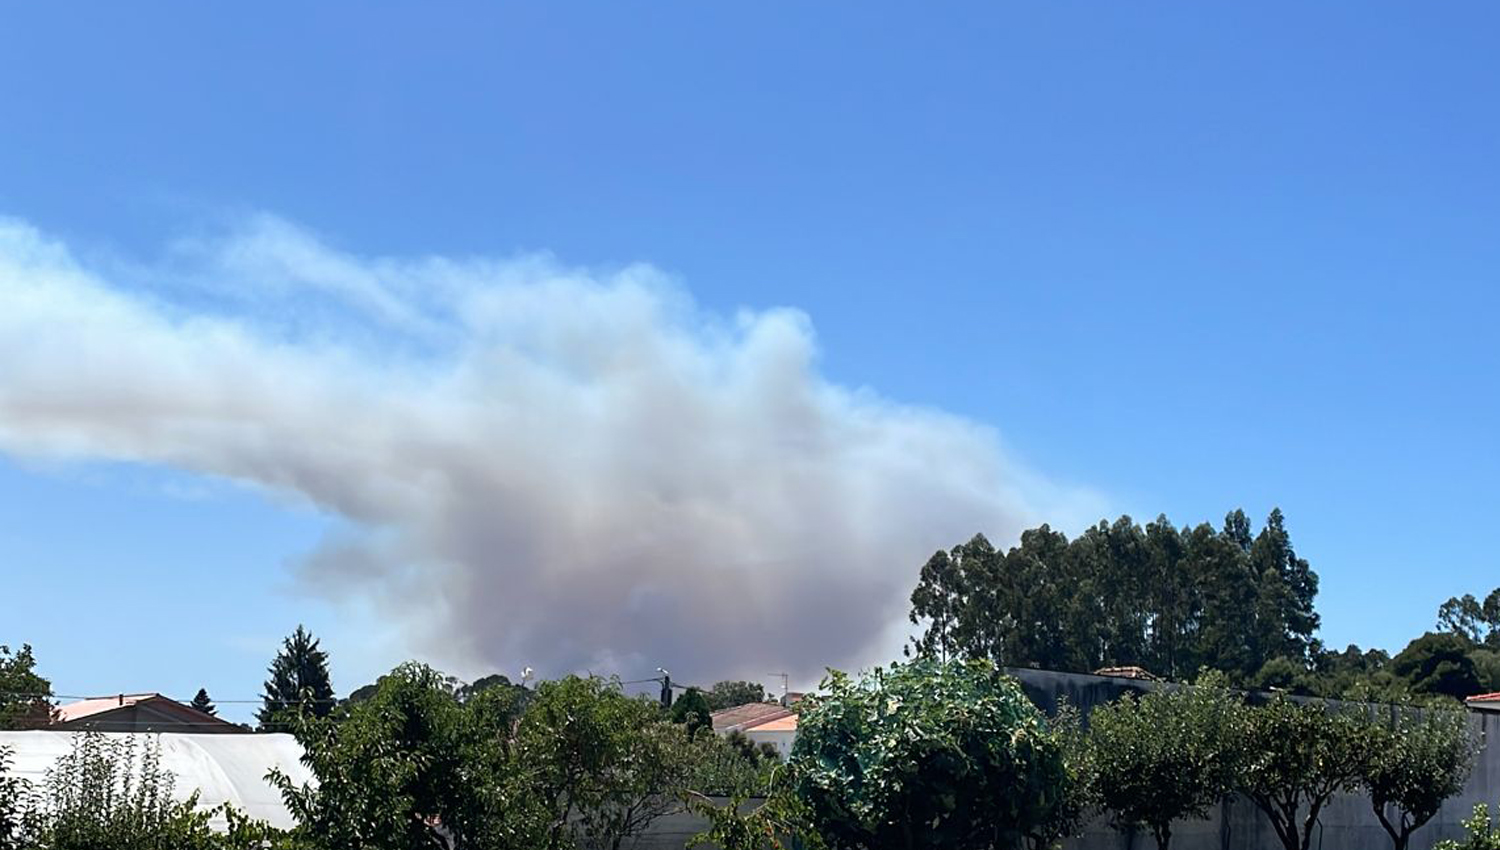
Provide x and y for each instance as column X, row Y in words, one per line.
column 1346, row 823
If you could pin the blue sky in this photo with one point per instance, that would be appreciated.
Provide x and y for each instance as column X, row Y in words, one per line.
column 1185, row 257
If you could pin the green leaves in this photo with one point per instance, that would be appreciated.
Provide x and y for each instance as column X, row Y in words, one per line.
column 1119, row 594
column 298, row 684
column 23, row 693
column 928, row 754
column 1165, row 756
column 1414, row 764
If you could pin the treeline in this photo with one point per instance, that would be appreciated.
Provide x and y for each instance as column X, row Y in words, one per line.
column 1178, row 600
column 1169, row 599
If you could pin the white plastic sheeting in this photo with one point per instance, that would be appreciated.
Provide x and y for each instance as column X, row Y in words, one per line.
column 221, row 768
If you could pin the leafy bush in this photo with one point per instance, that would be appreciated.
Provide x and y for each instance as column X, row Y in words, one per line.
column 113, row 794
column 929, row 754
column 730, row 766
column 1482, row 834
column 15, row 806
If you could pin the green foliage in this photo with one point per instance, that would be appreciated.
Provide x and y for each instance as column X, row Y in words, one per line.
column 113, row 794
column 730, row 694
column 298, row 684
column 202, row 703
column 603, row 765
column 15, row 806
column 23, row 693
column 1171, row 600
column 1413, row 765
column 1294, row 758
column 1438, row 663
column 1080, row 795
column 691, row 710
column 732, row 765
column 1475, row 621
column 411, row 767
column 929, row 754
column 778, row 822
column 1166, row 756
column 1482, row 834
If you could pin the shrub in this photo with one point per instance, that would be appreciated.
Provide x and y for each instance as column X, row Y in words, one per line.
column 1482, row 834
column 929, row 754
column 113, row 794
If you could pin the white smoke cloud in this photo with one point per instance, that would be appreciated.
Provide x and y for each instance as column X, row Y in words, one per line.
column 538, row 463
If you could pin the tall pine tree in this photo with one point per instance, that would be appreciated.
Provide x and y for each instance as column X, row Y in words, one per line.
column 298, row 682
column 203, row 703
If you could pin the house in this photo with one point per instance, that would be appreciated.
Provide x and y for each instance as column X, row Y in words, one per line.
column 137, row 713
column 761, row 722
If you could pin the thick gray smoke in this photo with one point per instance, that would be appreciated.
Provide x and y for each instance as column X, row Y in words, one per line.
column 539, row 463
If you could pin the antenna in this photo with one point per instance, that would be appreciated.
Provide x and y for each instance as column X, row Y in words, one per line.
column 783, row 687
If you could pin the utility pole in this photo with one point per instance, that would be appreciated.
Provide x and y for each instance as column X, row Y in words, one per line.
column 666, row 687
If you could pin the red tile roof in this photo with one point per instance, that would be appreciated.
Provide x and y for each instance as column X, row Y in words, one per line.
column 1493, row 697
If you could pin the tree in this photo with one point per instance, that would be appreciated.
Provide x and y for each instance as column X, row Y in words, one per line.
column 731, row 694
column 1477, row 621
column 1172, row 600
column 411, row 767
column 1167, row 756
column 691, row 710
column 928, row 754
column 1438, row 663
column 603, row 765
column 298, row 683
column 1294, row 758
column 202, row 703
column 23, row 693
column 1414, row 765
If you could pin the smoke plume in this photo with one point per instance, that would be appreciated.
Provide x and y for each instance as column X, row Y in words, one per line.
column 535, row 464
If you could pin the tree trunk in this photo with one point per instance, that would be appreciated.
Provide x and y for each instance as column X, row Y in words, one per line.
column 1163, row 833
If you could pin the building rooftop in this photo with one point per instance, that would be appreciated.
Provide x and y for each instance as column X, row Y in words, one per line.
column 94, row 705
column 749, row 716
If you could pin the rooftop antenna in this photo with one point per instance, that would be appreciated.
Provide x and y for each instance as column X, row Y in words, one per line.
column 783, row 688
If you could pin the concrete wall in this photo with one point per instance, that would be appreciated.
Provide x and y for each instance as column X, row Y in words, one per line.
column 1346, row 823
column 782, row 738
